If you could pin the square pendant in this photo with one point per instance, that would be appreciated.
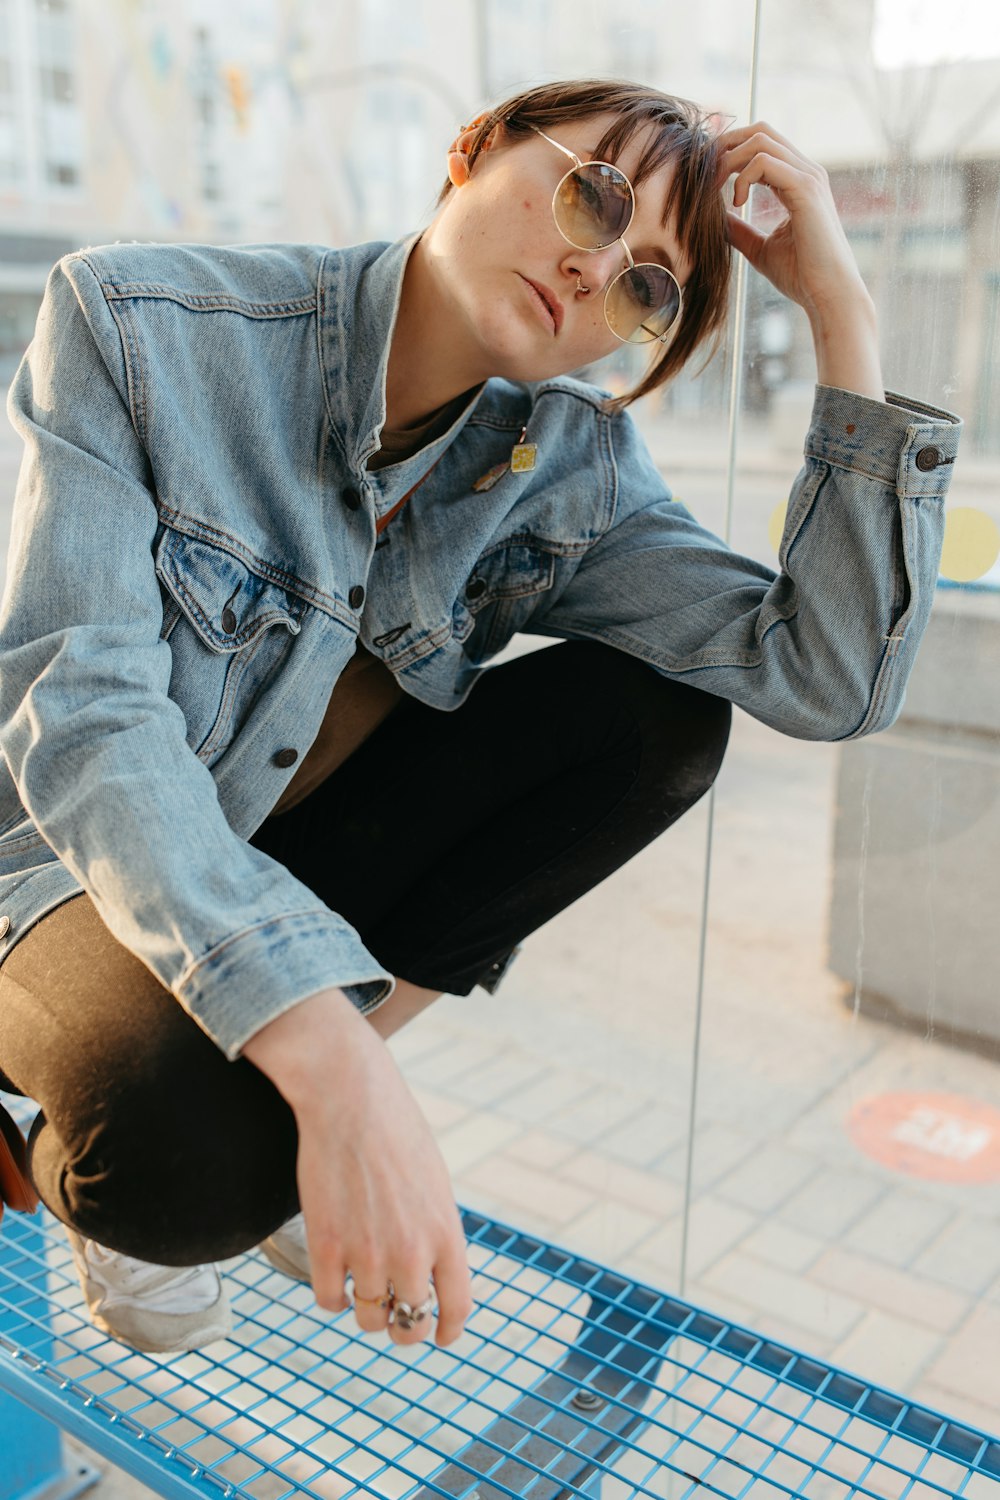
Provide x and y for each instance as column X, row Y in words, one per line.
column 522, row 457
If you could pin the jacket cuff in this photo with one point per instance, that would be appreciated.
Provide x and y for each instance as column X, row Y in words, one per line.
column 255, row 976
column 899, row 441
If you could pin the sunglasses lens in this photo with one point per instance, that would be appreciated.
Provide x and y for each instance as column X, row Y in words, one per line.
column 593, row 205
column 642, row 304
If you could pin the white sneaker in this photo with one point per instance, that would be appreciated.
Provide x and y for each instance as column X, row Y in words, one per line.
column 286, row 1249
column 158, row 1309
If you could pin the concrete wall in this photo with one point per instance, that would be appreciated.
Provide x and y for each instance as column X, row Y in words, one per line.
column 915, row 914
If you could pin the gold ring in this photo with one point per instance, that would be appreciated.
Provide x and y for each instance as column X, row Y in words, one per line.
column 384, row 1301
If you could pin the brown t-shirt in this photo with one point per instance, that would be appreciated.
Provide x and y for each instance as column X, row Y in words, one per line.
column 366, row 691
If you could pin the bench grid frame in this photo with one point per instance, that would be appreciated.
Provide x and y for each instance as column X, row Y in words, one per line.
column 570, row 1380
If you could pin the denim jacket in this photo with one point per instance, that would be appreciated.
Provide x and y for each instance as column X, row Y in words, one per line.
column 194, row 556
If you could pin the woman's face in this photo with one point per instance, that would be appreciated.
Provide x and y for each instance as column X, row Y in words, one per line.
column 494, row 241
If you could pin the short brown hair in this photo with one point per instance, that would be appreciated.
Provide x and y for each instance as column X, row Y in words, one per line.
column 682, row 136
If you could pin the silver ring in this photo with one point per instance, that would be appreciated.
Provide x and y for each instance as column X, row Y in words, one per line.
column 406, row 1316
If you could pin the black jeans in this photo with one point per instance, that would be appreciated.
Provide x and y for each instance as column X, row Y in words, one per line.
column 445, row 839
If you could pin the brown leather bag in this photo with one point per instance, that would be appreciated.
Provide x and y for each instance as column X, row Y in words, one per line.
column 17, row 1190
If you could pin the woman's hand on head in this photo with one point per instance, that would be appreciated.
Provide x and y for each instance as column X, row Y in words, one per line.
column 374, row 1188
column 807, row 255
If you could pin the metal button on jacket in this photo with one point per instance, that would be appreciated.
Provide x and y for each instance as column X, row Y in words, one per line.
column 351, row 499
column 928, row 458
column 475, row 588
column 228, row 620
column 284, row 758
column 356, row 597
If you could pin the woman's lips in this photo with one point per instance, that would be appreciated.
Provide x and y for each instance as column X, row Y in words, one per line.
column 550, row 303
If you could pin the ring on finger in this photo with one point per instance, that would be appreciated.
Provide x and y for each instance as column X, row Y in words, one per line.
column 385, row 1301
column 404, row 1315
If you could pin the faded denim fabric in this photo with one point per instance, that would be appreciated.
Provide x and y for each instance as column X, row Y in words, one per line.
column 194, row 556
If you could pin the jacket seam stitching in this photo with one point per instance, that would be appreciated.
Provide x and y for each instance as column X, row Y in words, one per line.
column 890, row 480
column 589, row 398
column 131, row 360
column 215, row 536
column 495, row 424
column 321, row 320
column 606, row 442
column 205, row 302
column 847, row 468
column 880, row 689
column 323, row 914
column 217, row 735
column 614, row 635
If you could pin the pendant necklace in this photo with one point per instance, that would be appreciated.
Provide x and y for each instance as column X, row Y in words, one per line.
column 522, row 459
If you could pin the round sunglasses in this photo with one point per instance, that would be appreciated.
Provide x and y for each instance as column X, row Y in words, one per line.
column 593, row 206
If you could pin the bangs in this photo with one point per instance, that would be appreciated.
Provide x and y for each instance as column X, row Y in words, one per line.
column 691, row 152
column 666, row 144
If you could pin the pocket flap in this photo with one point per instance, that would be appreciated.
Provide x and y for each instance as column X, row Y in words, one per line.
column 227, row 604
column 507, row 572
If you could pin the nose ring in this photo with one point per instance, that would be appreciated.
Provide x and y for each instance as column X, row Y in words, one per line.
column 580, row 286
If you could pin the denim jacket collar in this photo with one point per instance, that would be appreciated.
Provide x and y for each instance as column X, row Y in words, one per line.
column 360, row 290
column 363, row 290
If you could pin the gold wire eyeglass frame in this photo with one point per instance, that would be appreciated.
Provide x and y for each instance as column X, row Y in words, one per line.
column 581, row 166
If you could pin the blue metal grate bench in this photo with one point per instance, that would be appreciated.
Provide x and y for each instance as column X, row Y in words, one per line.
column 569, row 1380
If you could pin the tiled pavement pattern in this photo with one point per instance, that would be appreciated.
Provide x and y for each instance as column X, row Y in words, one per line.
column 562, row 1102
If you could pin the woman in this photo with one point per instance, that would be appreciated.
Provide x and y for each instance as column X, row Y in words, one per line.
column 278, row 507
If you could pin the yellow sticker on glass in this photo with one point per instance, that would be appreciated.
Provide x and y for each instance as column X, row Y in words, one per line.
column 776, row 525
column 971, row 544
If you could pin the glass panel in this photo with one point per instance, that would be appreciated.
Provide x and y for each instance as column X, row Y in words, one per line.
column 850, row 1033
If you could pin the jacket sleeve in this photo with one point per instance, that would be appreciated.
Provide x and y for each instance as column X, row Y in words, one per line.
column 95, row 744
column 820, row 650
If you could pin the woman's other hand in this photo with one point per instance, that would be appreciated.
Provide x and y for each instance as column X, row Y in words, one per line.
column 806, row 256
column 373, row 1186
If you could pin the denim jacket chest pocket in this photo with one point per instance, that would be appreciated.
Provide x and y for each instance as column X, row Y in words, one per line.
column 500, row 595
column 229, row 630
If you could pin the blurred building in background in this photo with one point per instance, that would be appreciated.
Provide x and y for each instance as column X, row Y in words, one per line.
column 244, row 120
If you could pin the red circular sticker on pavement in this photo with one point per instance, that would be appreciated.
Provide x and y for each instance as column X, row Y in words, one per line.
column 943, row 1137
